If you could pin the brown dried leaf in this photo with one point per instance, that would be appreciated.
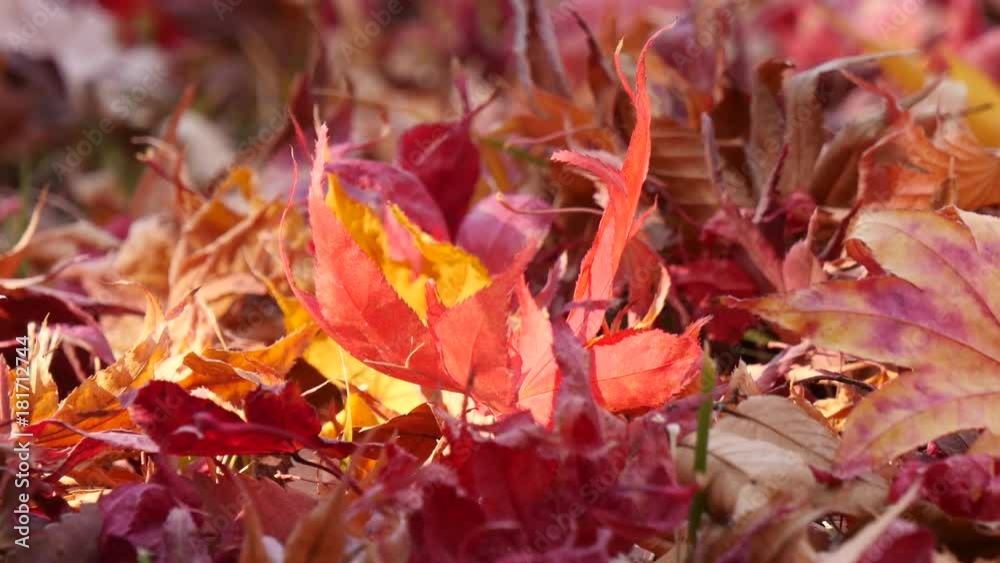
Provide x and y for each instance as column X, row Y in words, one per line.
column 761, row 454
column 804, row 108
column 94, row 405
column 767, row 121
column 320, row 535
column 908, row 170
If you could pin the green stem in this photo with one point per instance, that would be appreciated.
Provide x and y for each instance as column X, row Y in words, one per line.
column 516, row 152
column 24, row 182
column 758, row 337
column 701, row 446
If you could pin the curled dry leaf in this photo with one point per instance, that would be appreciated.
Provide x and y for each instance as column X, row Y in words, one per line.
column 766, row 453
column 804, row 132
column 320, row 535
column 95, row 404
column 907, row 170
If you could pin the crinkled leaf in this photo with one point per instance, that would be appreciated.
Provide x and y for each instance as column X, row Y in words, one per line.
column 600, row 265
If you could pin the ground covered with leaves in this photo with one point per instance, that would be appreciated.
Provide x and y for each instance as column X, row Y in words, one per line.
column 518, row 281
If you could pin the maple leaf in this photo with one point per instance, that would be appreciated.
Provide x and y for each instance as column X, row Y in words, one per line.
column 381, row 183
column 94, row 405
column 382, row 396
column 521, row 473
column 632, row 369
column 600, row 265
column 358, row 305
column 276, row 422
column 354, row 302
column 930, row 305
column 964, row 486
column 446, row 160
column 233, row 375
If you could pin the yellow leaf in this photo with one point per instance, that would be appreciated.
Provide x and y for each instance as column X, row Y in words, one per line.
column 242, row 178
column 362, row 415
column 912, row 73
column 457, row 274
column 337, row 365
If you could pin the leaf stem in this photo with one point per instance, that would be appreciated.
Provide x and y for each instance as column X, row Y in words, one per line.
column 708, row 377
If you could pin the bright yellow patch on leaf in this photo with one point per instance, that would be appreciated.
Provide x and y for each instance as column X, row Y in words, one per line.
column 340, row 368
column 911, row 74
column 242, row 178
column 456, row 273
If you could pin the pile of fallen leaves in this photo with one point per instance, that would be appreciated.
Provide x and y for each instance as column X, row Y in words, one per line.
column 515, row 281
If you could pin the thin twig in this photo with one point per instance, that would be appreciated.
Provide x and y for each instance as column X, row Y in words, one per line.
column 830, row 376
